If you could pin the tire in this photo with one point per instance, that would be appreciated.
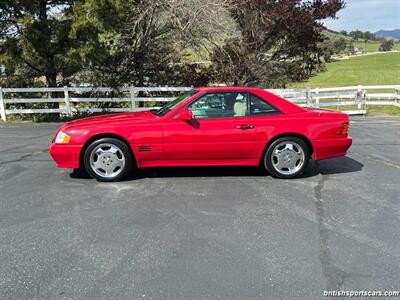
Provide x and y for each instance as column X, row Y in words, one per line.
column 287, row 157
column 108, row 159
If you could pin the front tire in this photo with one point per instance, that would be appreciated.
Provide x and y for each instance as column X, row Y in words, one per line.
column 287, row 157
column 108, row 159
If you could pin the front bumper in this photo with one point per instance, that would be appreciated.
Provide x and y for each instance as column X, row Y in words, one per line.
column 324, row 149
column 66, row 156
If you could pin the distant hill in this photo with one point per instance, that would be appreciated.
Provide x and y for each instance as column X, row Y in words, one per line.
column 334, row 35
column 389, row 34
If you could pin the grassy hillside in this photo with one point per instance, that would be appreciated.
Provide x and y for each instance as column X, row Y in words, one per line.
column 333, row 35
column 376, row 69
column 373, row 46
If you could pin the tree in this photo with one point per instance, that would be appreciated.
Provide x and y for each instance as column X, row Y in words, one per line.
column 36, row 42
column 387, row 45
column 277, row 44
column 326, row 50
column 147, row 42
column 340, row 45
column 35, row 37
column 369, row 36
column 350, row 47
column 358, row 34
column 141, row 42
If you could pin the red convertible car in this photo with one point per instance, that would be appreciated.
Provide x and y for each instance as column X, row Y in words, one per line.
column 213, row 126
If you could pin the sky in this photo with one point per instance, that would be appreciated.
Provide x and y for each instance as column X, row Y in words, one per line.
column 367, row 15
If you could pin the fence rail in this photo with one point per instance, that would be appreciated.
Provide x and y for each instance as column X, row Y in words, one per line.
column 358, row 96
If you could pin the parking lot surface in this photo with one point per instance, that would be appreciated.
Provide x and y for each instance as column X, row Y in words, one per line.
column 200, row 233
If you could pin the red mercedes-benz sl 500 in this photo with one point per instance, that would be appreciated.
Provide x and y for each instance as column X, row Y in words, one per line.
column 213, row 126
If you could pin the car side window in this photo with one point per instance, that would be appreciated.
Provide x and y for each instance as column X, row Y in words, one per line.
column 260, row 107
column 220, row 105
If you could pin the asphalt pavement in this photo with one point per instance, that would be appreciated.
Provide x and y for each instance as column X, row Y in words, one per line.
column 200, row 233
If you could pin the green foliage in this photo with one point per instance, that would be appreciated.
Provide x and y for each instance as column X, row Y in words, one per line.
column 387, row 45
column 147, row 42
column 340, row 45
column 362, row 35
column 273, row 49
column 131, row 43
column 36, row 40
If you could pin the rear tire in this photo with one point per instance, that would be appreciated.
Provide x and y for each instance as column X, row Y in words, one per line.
column 108, row 159
column 287, row 157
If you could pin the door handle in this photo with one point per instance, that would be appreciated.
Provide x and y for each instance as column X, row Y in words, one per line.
column 244, row 127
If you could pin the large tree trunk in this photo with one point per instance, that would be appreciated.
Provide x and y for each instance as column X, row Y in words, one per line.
column 50, row 66
column 140, row 69
column 51, row 80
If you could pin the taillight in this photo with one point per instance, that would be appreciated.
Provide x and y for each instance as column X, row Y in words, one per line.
column 343, row 129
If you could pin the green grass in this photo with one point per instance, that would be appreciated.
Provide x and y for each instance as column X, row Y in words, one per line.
column 342, row 107
column 374, row 110
column 377, row 69
column 335, row 35
column 373, row 46
column 388, row 110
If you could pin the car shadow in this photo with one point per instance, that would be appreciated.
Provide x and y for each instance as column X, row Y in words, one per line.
column 325, row 167
column 80, row 174
column 332, row 166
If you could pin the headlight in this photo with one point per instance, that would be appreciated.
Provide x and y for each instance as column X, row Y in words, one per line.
column 62, row 138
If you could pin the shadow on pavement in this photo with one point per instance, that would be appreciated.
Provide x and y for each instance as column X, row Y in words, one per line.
column 79, row 173
column 325, row 167
column 332, row 166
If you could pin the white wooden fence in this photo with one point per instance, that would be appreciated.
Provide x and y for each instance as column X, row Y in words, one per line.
column 337, row 97
column 359, row 96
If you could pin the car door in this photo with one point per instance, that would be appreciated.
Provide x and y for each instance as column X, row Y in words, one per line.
column 266, row 118
column 221, row 129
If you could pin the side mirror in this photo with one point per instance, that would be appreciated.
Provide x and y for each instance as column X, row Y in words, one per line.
column 185, row 115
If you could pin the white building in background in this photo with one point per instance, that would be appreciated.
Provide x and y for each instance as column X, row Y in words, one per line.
column 2, row 69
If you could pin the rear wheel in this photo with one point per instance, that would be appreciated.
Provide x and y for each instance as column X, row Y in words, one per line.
column 108, row 159
column 287, row 157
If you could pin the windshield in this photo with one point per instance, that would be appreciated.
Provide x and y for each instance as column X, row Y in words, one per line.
column 174, row 103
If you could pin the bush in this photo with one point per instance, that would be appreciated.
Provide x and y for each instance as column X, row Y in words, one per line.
column 386, row 45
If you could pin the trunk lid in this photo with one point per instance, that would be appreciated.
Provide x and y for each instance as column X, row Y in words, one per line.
column 327, row 113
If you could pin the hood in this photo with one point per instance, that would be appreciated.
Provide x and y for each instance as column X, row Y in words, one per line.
column 112, row 118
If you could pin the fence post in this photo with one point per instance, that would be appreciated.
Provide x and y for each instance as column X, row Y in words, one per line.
column 317, row 97
column 2, row 106
column 66, row 100
column 359, row 99
column 337, row 101
column 132, row 95
column 308, row 98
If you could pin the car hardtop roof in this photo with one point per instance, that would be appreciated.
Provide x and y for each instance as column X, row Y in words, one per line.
column 227, row 88
column 282, row 104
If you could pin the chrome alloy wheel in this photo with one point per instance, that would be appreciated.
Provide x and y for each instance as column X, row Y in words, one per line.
column 287, row 158
column 107, row 160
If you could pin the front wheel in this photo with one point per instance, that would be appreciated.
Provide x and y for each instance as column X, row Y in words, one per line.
column 287, row 157
column 108, row 159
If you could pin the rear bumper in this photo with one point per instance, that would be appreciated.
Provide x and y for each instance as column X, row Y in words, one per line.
column 66, row 156
column 324, row 149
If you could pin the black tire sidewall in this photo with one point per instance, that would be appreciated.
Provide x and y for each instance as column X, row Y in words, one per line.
column 124, row 148
column 267, row 158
